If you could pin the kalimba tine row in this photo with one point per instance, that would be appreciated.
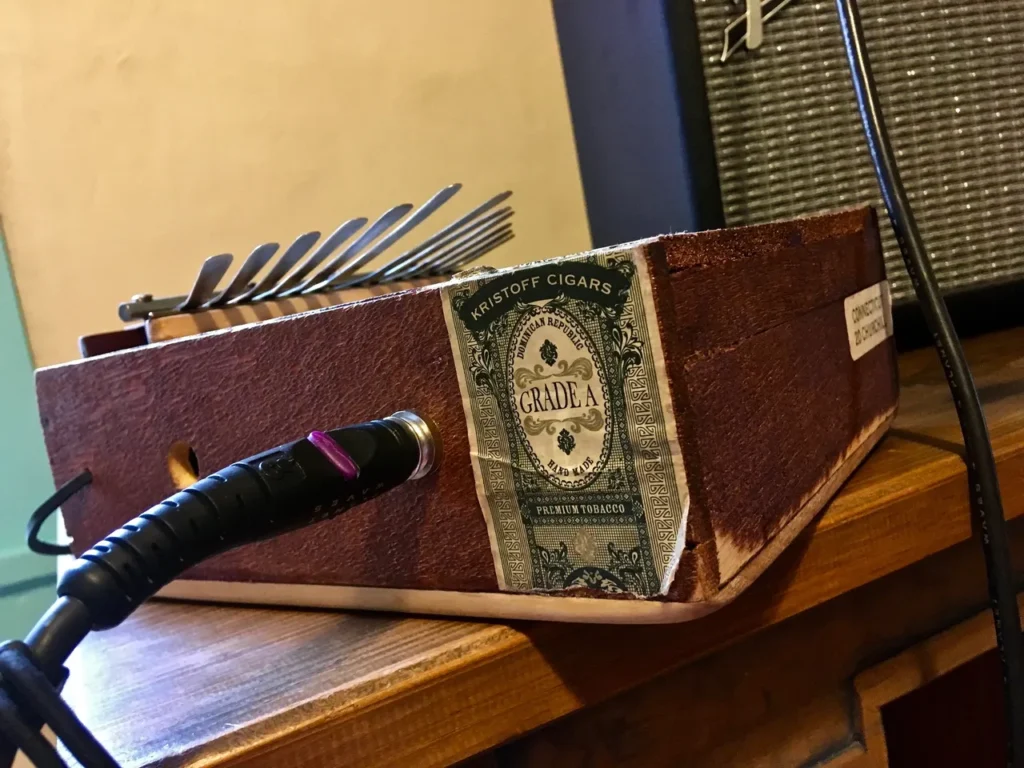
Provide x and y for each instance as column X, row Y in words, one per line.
column 307, row 275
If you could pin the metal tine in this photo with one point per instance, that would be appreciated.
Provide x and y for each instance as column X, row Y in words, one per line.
column 142, row 307
column 250, row 268
column 379, row 227
column 209, row 276
column 426, row 258
column 484, row 247
column 325, row 249
column 480, row 250
column 457, row 254
column 443, row 260
column 433, row 255
column 437, row 252
column 454, row 251
column 444, row 265
column 338, row 280
column 413, row 254
column 288, row 259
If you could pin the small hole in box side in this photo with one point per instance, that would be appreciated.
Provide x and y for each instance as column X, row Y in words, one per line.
column 182, row 464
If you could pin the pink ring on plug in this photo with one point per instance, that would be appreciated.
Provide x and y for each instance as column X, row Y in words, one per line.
column 335, row 454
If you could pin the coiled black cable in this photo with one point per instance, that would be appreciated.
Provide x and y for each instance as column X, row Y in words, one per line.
column 291, row 486
column 983, row 482
column 35, row 693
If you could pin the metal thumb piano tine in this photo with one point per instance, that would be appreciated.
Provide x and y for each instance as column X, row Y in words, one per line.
column 481, row 250
column 444, row 263
column 251, row 267
column 287, row 260
column 416, row 218
column 485, row 241
column 447, row 234
column 210, row 274
column 388, row 273
column 322, row 286
column 323, row 279
column 283, row 279
column 378, row 228
column 325, row 249
column 145, row 306
column 432, row 256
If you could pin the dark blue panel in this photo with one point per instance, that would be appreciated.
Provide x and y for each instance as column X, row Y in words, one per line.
column 643, row 167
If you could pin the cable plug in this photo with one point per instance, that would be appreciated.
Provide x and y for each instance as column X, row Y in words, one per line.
column 285, row 488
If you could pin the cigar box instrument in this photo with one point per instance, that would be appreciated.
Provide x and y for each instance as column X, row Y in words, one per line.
column 628, row 435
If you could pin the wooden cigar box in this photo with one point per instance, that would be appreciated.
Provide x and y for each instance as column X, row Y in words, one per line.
column 630, row 435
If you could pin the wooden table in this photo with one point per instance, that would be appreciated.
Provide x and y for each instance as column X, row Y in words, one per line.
column 797, row 669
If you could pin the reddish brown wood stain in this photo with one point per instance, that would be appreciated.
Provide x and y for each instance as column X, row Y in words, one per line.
column 766, row 395
column 774, row 398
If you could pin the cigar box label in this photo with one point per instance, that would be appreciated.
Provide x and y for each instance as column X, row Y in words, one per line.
column 868, row 318
column 574, row 445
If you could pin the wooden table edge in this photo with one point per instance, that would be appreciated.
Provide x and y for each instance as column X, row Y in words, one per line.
column 511, row 665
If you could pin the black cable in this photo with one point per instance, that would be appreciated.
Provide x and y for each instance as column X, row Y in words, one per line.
column 47, row 508
column 54, row 637
column 57, row 634
column 36, row 694
column 17, row 733
column 288, row 487
column 983, row 482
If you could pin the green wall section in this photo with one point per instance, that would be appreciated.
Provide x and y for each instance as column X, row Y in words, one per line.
column 26, row 579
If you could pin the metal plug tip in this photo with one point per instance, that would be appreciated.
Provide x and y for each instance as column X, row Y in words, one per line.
column 425, row 435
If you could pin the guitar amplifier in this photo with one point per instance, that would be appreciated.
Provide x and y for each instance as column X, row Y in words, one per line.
column 744, row 136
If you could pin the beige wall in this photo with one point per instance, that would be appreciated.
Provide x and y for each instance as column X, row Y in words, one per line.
column 139, row 136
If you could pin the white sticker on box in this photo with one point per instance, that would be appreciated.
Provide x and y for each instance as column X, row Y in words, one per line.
column 868, row 318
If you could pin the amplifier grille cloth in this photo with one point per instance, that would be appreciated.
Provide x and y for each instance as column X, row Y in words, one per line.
column 951, row 77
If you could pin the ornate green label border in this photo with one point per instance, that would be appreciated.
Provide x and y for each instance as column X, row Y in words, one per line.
column 573, row 438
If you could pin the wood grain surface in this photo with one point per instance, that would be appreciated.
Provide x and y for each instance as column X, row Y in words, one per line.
column 794, row 694
column 180, row 684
